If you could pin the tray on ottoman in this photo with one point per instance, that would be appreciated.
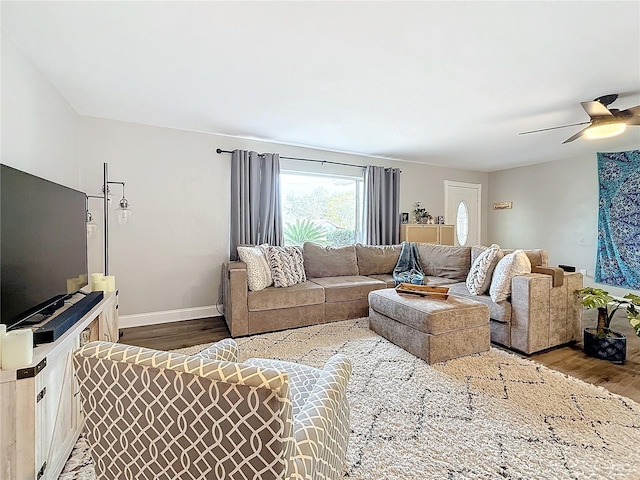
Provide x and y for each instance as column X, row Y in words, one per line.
column 430, row 328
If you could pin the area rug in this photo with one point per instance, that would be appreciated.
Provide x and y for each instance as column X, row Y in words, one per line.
column 487, row 416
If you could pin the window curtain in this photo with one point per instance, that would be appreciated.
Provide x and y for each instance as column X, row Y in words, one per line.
column 382, row 205
column 255, row 200
column 618, row 260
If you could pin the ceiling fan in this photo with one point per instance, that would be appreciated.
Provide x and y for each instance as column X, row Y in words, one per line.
column 605, row 122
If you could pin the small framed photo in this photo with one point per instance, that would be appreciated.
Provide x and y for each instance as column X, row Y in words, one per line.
column 404, row 217
column 440, row 220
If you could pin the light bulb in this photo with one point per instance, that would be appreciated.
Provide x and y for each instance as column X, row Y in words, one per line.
column 123, row 212
column 605, row 130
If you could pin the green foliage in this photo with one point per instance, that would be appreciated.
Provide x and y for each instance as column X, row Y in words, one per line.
column 606, row 304
column 341, row 209
column 303, row 231
column 337, row 238
column 419, row 212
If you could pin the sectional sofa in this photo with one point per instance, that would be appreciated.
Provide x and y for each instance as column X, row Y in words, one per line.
column 541, row 313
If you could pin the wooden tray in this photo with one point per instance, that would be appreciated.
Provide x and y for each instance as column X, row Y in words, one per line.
column 423, row 290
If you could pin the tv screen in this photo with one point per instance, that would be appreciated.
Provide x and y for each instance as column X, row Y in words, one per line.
column 43, row 244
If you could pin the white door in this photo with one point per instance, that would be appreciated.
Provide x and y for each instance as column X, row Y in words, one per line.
column 463, row 209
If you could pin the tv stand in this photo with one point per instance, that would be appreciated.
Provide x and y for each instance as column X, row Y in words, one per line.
column 41, row 416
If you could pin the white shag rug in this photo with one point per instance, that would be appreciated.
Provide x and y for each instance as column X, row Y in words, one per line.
column 487, row 416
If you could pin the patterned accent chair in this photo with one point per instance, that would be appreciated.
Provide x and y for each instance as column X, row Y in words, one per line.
column 162, row 415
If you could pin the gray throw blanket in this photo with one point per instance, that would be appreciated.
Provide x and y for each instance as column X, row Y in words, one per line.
column 408, row 269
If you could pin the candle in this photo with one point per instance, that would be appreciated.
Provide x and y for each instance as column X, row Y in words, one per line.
column 111, row 283
column 3, row 331
column 17, row 349
column 94, row 278
column 100, row 285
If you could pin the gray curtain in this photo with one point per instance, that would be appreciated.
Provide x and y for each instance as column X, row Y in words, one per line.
column 255, row 199
column 382, row 205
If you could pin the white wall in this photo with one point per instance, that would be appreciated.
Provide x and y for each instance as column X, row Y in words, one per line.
column 39, row 129
column 170, row 257
column 555, row 206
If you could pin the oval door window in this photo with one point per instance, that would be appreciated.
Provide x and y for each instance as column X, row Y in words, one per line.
column 462, row 223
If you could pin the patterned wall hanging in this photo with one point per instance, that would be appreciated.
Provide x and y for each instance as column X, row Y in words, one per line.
column 618, row 261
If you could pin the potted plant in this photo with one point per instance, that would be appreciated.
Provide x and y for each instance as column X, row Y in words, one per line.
column 602, row 342
column 420, row 213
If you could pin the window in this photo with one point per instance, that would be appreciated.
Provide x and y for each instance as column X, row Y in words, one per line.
column 325, row 209
column 462, row 223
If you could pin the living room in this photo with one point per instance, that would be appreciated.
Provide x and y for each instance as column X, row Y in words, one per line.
column 86, row 83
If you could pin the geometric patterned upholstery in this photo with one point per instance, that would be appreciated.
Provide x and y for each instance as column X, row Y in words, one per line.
column 161, row 415
column 225, row 350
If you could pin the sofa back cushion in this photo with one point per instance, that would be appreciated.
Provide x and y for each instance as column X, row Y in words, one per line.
column 445, row 261
column 322, row 261
column 377, row 259
column 538, row 257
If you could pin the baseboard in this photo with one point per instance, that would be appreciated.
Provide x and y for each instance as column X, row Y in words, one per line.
column 166, row 316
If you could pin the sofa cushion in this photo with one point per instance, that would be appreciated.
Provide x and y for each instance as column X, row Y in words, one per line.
column 538, row 257
column 437, row 281
column 445, row 261
column 386, row 278
column 513, row 264
column 287, row 267
column 500, row 311
column 481, row 272
column 322, row 261
column 347, row 288
column 377, row 259
column 271, row 298
column 258, row 270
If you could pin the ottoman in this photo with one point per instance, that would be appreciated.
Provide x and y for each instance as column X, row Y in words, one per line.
column 432, row 329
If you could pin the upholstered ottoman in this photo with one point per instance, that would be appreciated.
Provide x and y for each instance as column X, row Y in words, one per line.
column 432, row 329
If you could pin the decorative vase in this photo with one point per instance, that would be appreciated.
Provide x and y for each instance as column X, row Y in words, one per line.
column 613, row 347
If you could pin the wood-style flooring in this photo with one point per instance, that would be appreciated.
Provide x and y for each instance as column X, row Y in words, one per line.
column 621, row 379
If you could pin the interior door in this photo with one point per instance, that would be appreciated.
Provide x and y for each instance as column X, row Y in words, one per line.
column 462, row 203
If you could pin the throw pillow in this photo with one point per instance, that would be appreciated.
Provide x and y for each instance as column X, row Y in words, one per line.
column 287, row 266
column 480, row 274
column 516, row 263
column 258, row 271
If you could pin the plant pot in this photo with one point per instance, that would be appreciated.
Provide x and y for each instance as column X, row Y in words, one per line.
column 612, row 347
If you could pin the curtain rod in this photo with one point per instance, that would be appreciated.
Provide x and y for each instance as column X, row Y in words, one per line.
column 219, row 150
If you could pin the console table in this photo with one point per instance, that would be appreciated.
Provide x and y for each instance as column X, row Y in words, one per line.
column 418, row 232
column 40, row 413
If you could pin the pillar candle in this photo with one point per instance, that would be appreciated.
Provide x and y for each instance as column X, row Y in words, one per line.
column 94, row 278
column 111, row 283
column 3, row 331
column 17, row 349
column 100, row 285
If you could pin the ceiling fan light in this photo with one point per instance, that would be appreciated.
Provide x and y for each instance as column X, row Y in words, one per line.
column 605, row 130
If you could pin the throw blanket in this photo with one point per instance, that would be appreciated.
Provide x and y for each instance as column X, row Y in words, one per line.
column 408, row 269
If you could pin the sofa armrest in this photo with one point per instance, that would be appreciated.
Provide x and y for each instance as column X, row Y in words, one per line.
column 225, row 351
column 544, row 316
column 557, row 274
column 236, row 312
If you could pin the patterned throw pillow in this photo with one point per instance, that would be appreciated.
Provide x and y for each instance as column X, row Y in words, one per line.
column 479, row 278
column 258, row 271
column 516, row 263
column 287, row 266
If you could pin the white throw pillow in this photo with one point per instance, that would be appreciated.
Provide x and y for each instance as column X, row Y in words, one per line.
column 516, row 263
column 287, row 266
column 480, row 274
column 258, row 271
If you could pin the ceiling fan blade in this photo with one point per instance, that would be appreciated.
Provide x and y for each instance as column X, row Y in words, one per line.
column 576, row 136
column 633, row 121
column 554, row 128
column 633, row 111
column 596, row 109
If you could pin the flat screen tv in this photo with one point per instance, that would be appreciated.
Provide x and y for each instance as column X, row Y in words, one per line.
column 43, row 245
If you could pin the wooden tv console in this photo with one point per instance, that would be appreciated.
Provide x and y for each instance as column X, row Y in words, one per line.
column 40, row 413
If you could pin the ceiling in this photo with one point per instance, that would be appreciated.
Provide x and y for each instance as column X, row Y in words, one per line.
column 444, row 83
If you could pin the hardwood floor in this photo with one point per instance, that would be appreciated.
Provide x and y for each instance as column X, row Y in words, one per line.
column 621, row 379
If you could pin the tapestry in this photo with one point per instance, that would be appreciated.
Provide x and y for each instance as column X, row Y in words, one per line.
column 618, row 259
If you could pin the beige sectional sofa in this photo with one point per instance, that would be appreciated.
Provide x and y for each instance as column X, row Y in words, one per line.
column 541, row 313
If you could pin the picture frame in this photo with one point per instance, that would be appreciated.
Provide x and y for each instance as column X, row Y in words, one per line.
column 404, row 217
column 440, row 220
